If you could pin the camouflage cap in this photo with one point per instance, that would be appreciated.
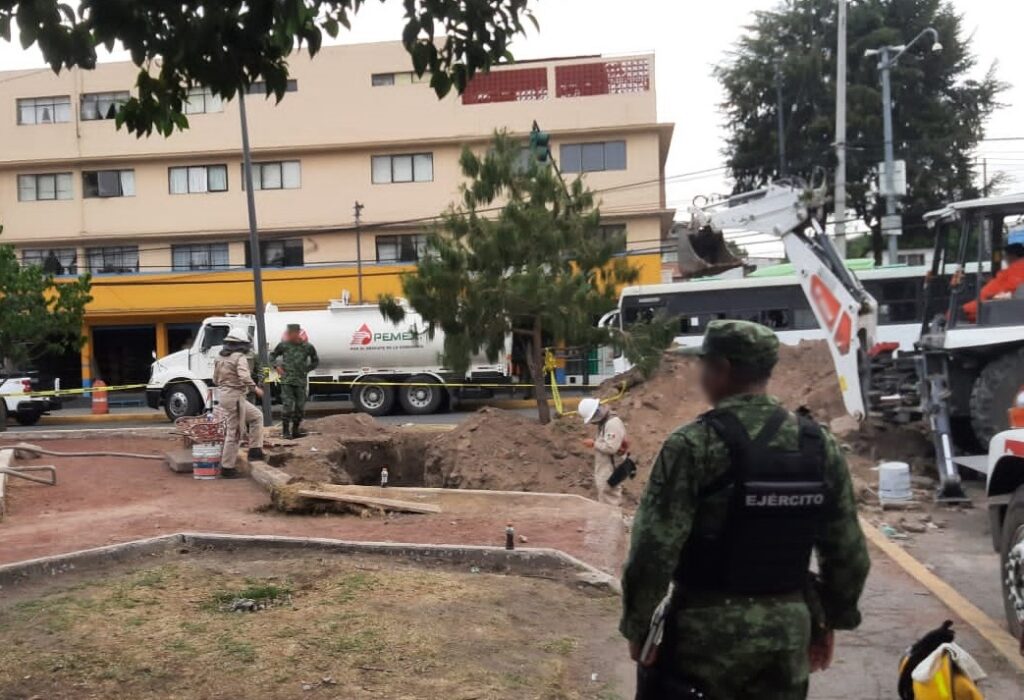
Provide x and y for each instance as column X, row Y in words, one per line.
column 742, row 342
column 294, row 328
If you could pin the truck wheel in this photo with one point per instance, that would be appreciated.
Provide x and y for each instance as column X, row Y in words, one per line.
column 28, row 417
column 374, row 399
column 3, row 415
column 1012, row 558
column 182, row 400
column 421, row 400
column 993, row 394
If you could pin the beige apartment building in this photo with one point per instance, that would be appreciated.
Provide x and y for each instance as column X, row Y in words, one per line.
column 161, row 222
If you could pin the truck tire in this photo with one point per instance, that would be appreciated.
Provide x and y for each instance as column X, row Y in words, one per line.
column 421, row 400
column 181, row 399
column 1011, row 554
column 373, row 399
column 28, row 417
column 3, row 415
column 993, row 394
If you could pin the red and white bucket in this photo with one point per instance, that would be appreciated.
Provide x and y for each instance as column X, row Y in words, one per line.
column 206, row 460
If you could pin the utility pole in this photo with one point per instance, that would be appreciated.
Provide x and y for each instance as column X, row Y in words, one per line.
column 781, row 118
column 840, row 197
column 358, row 208
column 254, row 255
column 895, row 229
column 984, row 177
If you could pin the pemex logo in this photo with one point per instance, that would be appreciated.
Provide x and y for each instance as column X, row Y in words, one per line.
column 363, row 336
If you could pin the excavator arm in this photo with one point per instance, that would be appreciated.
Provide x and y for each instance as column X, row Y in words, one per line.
column 842, row 307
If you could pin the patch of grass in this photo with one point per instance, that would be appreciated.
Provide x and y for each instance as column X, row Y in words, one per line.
column 181, row 646
column 261, row 593
column 154, row 578
column 563, row 646
column 134, row 621
column 349, row 587
column 241, row 651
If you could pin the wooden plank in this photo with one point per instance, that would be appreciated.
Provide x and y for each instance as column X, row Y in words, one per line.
column 269, row 477
column 385, row 503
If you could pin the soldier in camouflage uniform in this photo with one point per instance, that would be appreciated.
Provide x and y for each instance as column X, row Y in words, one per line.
column 727, row 645
column 294, row 358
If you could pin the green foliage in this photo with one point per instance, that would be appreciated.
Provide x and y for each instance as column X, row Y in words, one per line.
column 37, row 314
column 939, row 114
column 644, row 343
column 229, row 44
column 520, row 253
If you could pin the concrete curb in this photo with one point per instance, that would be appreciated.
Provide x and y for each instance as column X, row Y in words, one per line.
column 523, row 562
column 88, row 418
column 6, row 457
column 75, row 433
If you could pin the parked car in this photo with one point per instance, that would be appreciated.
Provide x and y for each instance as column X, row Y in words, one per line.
column 16, row 404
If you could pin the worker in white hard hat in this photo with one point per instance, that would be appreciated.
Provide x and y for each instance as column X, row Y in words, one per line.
column 233, row 377
column 609, row 446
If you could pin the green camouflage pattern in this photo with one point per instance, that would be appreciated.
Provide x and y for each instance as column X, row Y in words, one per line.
column 739, row 647
column 297, row 360
column 741, row 342
column 293, row 401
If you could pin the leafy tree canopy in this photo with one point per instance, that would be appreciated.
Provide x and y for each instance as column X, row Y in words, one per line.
column 939, row 113
column 522, row 254
column 37, row 314
column 228, row 44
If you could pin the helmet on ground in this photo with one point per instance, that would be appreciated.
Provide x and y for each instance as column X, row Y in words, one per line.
column 236, row 337
column 588, row 409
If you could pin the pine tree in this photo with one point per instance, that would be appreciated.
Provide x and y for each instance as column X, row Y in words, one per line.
column 521, row 254
column 939, row 113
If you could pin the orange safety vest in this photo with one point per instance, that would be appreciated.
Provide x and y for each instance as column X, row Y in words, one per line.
column 1005, row 282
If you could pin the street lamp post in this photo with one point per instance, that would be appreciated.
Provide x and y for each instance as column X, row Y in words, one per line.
column 888, row 56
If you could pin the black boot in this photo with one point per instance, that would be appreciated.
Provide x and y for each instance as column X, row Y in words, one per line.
column 286, row 429
column 229, row 474
column 256, row 454
column 297, row 432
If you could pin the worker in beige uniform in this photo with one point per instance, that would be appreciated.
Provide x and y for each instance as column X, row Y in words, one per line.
column 608, row 446
column 234, row 381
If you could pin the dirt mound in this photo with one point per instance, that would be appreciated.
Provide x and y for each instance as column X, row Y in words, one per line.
column 498, row 450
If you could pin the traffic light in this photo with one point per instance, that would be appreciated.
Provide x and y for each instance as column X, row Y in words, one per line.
column 540, row 144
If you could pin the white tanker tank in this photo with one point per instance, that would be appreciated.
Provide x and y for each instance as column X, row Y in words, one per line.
column 382, row 365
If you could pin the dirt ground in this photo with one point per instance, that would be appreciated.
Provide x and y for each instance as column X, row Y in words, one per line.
column 344, row 627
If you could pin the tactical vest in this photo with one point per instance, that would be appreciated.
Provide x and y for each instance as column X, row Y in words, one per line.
column 774, row 512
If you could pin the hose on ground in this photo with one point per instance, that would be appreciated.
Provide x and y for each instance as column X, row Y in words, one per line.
column 36, row 450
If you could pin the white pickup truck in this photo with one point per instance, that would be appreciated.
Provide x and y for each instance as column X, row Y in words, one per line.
column 27, row 410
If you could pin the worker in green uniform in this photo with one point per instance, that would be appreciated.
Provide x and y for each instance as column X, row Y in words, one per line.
column 294, row 358
column 736, row 503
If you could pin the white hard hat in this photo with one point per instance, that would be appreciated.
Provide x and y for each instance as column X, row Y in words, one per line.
column 236, row 337
column 588, row 409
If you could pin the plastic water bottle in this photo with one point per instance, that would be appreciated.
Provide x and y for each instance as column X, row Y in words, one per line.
column 384, row 477
column 510, row 537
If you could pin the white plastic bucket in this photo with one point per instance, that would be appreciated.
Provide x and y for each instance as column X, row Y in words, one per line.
column 894, row 482
column 206, row 460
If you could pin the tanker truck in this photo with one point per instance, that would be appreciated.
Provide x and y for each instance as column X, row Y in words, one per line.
column 380, row 365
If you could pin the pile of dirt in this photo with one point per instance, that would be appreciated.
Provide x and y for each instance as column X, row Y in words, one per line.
column 503, row 451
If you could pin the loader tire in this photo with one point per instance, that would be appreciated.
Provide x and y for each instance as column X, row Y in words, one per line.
column 994, row 392
column 1011, row 559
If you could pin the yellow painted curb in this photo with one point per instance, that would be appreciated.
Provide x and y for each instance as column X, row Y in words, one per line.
column 59, row 419
column 994, row 633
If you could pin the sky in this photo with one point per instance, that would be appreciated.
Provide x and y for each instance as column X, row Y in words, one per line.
column 688, row 38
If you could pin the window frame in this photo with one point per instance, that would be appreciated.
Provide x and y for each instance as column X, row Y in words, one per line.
column 55, row 101
column 391, row 157
column 119, row 250
column 212, row 104
column 258, row 178
column 260, row 87
column 57, row 179
column 188, row 179
column 289, row 247
column 576, row 163
column 70, row 268
column 212, row 250
column 121, row 173
column 119, row 97
column 417, row 246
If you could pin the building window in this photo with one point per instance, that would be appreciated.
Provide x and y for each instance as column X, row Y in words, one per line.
column 416, row 167
column 614, row 233
column 194, row 179
column 280, row 175
column 593, row 157
column 400, row 78
column 199, row 256
column 108, row 183
column 260, row 87
column 286, row 252
column 102, row 105
column 911, row 259
column 54, row 261
column 201, row 100
column 32, row 188
column 112, row 260
column 44, row 110
column 407, row 248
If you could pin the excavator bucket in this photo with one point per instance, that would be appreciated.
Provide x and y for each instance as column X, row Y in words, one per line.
column 703, row 252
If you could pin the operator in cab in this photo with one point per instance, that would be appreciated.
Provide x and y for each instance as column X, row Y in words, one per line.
column 1007, row 280
column 736, row 503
